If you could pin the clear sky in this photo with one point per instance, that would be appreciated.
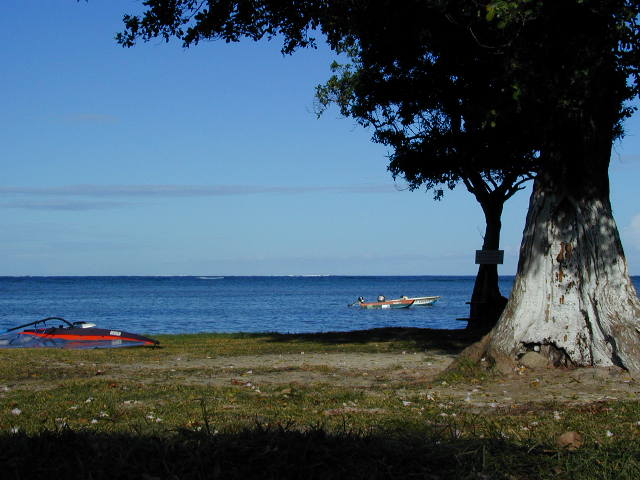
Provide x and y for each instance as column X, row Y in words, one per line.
column 210, row 161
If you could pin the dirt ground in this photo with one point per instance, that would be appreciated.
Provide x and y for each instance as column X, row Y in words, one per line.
column 413, row 372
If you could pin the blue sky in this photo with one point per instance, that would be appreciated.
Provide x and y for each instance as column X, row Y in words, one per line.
column 157, row 160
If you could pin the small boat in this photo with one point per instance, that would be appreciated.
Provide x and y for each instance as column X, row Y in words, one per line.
column 76, row 335
column 403, row 302
column 383, row 303
column 399, row 303
column 424, row 301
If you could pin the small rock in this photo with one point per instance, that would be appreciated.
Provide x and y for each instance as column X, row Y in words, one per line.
column 533, row 360
column 607, row 372
column 570, row 440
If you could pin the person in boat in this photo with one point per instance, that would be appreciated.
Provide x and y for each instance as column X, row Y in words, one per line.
column 361, row 300
column 381, row 298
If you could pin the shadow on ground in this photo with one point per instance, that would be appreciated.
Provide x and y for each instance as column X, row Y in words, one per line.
column 446, row 341
column 282, row 453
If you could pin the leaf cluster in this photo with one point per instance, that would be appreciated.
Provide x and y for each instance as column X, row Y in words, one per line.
column 193, row 21
column 433, row 95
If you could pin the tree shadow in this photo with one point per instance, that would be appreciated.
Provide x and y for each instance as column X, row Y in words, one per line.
column 267, row 453
column 445, row 341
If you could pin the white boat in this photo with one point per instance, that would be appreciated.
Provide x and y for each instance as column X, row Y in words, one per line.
column 423, row 301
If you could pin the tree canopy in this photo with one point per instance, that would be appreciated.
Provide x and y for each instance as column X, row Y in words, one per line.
column 440, row 124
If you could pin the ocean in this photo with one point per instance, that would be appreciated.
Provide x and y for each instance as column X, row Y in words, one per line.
column 192, row 304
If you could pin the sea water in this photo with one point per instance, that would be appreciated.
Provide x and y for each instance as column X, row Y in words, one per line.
column 286, row 304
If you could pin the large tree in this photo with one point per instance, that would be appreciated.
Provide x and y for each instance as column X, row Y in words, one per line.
column 577, row 64
column 557, row 74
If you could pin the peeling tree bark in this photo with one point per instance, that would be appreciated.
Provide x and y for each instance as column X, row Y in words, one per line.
column 573, row 300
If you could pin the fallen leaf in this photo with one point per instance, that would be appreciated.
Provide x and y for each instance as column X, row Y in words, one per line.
column 570, row 440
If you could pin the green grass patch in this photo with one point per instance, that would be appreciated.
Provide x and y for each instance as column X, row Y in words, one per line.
column 287, row 450
column 152, row 413
column 468, row 371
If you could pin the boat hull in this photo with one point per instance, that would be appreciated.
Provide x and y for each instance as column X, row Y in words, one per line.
column 390, row 304
column 73, row 338
column 424, row 301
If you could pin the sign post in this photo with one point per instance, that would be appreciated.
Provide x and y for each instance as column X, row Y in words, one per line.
column 489, row 257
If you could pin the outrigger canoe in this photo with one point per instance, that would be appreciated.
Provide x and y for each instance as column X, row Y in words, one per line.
column 76, row 335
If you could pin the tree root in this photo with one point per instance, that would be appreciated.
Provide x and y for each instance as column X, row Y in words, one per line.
column 483, row 351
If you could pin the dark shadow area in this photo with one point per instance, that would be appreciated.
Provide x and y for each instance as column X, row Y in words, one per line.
column 282, row 453
column 446, row 341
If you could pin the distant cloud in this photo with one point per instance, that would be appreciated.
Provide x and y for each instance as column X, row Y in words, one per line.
column 187, row 190
column 81, row 197
column 67, row 205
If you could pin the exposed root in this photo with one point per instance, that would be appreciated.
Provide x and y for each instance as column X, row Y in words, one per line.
column 482, row 351
column 626, row 350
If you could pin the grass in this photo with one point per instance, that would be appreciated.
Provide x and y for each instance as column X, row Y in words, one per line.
column 152, row 413
column 284, row 452
column 467, row 370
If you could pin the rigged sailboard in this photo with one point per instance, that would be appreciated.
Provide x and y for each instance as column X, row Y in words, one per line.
column 65, row 334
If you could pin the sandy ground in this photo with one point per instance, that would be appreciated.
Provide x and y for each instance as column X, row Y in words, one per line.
column 415, row 372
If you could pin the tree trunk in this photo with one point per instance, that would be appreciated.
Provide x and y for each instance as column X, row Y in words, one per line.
column 487, row 303
column 573, row 300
